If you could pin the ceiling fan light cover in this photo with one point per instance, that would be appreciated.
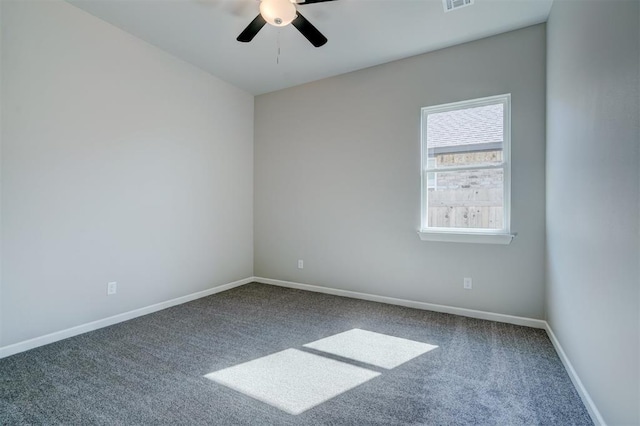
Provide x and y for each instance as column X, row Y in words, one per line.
column 278, row 12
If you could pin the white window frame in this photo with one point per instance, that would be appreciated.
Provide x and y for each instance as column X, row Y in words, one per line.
column 468, row 235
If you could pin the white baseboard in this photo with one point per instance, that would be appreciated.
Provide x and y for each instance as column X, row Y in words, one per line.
column 510, row 319
column 94, row 325
column 597, row 418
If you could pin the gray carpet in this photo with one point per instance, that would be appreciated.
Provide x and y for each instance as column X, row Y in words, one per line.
column 150, row 370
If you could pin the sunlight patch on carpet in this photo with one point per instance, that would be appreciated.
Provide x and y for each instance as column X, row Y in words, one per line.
column 292, row 380
column 372, row 348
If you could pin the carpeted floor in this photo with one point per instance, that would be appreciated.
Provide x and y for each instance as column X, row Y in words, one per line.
column 151, row 370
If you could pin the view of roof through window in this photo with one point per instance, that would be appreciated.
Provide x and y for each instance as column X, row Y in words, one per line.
column 470, row 126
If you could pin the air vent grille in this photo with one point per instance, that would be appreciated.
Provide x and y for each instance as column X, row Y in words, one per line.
column 450, row 5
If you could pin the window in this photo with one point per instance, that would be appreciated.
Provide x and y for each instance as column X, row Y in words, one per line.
column 466, row 171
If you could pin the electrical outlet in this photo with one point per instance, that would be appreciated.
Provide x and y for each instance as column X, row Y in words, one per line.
column 112, row 288
column 300, row 264
column 468, row 284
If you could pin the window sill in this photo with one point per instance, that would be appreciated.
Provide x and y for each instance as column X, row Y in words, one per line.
column 451, row 237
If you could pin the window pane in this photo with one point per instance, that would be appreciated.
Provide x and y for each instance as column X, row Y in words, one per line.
column 467, row 199
column 469, row 136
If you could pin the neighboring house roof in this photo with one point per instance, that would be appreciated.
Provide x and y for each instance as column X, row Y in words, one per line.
column 471, row 126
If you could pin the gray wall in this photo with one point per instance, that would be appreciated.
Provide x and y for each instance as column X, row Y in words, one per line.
column 337, row 179
column 593, row 231
column 119, row 163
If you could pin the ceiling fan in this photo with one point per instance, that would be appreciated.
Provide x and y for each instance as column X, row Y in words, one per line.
column 280, row 13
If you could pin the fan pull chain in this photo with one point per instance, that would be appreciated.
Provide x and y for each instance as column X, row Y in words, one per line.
column 278, row 55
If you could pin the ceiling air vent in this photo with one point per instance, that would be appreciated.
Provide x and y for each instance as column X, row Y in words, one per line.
column 450, row 5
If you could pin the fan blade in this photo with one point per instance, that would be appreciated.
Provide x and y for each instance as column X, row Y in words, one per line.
column 252, row 29
column 313, row 1
column 309, row 31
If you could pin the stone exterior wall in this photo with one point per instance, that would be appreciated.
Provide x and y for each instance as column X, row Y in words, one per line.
column 471, row 179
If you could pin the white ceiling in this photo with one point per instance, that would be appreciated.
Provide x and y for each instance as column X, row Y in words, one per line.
column 361, row 33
